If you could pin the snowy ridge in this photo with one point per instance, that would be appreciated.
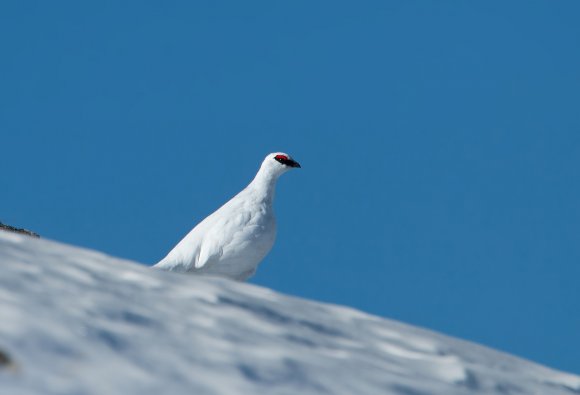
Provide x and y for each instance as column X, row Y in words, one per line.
column 75, row 321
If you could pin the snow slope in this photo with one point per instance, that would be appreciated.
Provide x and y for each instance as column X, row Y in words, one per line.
column 74, row 321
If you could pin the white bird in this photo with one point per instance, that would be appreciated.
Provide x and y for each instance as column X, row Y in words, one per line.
column 233, row 240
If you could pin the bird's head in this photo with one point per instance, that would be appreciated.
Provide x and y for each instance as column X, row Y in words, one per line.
column 282, row 161
column 273, row 167
column 278, row 163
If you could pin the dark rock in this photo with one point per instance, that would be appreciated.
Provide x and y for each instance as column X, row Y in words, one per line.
column 9, row 228
column 5, row 360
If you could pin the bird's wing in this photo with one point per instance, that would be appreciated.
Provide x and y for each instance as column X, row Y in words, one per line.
column 211, row 251
column 219, row 237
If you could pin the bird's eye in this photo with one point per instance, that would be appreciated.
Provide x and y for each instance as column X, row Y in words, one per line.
column 281, row 157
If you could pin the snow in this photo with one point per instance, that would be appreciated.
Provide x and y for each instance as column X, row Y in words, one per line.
column 74, row 321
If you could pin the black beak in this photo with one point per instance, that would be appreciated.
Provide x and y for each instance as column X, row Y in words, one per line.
column 292, row 163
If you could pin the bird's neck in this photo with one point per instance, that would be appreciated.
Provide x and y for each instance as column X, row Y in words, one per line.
column 264, row 184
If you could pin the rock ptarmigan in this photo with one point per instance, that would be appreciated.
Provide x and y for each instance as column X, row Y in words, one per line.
column 233, row 240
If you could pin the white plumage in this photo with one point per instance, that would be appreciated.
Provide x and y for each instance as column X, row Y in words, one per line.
column 233, row 240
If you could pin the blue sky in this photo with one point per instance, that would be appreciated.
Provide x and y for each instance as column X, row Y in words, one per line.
column 439, row 141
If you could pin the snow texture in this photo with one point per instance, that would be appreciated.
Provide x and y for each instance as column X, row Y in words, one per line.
column 74, row 321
